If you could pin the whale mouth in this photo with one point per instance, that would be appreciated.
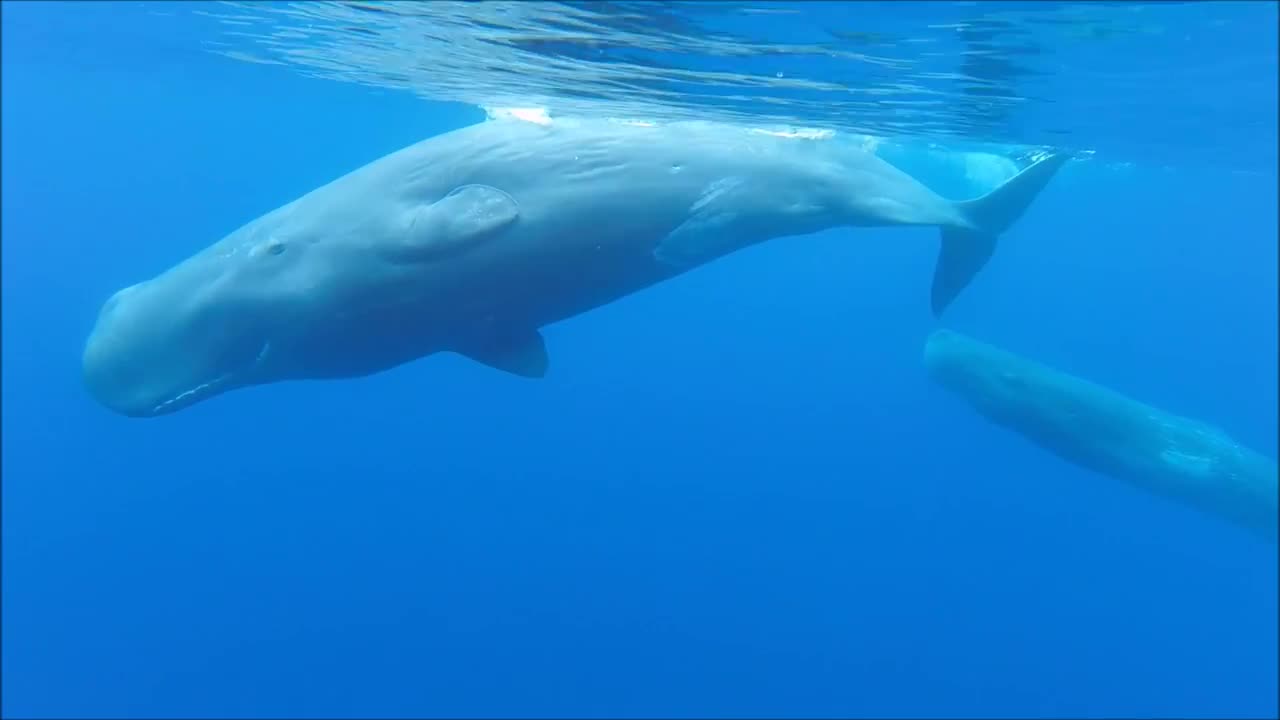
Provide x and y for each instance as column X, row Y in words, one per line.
column 208, row 389
column 192, row 396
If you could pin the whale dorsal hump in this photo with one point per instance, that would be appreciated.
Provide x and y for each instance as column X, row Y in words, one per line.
column 519, row 353
column 469, row 214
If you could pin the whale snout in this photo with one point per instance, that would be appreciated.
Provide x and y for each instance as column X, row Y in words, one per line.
column 156, row 349
column 114, row 376
column 108, row 379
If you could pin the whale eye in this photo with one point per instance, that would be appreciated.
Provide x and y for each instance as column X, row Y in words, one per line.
column 272, row 246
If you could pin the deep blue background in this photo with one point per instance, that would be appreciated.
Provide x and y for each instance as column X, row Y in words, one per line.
column 735, row 494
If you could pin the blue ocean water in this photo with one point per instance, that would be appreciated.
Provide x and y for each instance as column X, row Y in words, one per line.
column 735, row 494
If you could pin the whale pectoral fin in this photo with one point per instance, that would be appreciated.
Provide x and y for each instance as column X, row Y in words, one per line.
column 523, row 354
column 467, row 215
column 709, row 231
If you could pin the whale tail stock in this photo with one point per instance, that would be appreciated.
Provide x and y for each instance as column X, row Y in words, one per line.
column 965, row 250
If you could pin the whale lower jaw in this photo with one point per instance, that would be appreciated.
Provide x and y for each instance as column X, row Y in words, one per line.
column 192, row 396
column 210, row 388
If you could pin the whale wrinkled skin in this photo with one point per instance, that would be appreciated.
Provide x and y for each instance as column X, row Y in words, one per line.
column 473, row 240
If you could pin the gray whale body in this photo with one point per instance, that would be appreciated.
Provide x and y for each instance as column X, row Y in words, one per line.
column 473, row 240
column 1099, row 429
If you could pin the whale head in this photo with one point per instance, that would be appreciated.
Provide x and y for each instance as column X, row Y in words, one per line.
column 202, row 328
column 333, row 285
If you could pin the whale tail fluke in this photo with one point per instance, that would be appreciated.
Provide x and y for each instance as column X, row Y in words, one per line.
column 965, row 250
